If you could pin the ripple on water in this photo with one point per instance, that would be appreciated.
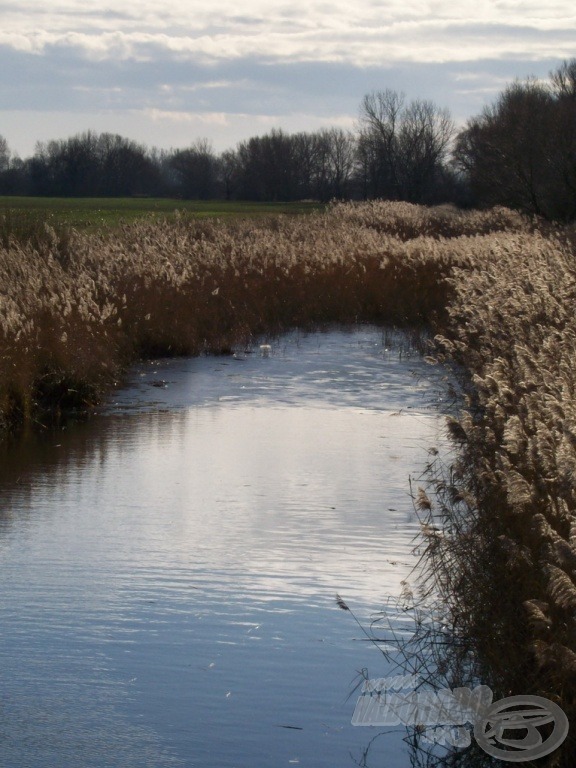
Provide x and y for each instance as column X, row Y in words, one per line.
column 170, row 569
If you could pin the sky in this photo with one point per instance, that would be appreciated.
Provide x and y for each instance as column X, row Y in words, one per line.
column 167, row 72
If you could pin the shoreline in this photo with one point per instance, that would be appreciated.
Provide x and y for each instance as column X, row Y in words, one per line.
column 496, row 291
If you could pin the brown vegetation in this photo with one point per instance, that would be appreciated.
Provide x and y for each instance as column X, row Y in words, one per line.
column 76, row 309
column 513, row 559
column 499, row 293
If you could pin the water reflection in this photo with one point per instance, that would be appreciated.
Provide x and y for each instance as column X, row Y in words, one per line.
column 169, row 569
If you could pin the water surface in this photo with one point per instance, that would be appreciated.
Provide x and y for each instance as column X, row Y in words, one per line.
column 169, row 569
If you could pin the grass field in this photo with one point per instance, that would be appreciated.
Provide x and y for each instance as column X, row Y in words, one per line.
column 93, row 213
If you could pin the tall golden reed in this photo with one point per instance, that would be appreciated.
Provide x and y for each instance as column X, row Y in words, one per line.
column 498, row 291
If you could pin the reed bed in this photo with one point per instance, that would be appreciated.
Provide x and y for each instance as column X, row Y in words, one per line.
column 75, row 310
column 508, row 564
column 407, row 221
column 497, row 290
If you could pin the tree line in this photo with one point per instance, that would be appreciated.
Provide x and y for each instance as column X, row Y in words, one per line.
column 519, row 152
column 323, row 165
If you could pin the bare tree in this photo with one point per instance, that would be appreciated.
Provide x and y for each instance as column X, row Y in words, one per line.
column 196, row 170
column 521, row 151
column 91, row 164
column 4, row 155
column 423, row 141
column 563, row 80
column 338, row 153
column 228, row 166
column 380, row 114
column 402, row 148
column 306, row 158
column 270, row 168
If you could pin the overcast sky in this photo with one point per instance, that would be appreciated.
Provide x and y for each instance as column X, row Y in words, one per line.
column 166, row 72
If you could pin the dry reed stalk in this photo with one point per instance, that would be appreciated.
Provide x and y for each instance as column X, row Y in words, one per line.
column 498, row 292
column 186, row 287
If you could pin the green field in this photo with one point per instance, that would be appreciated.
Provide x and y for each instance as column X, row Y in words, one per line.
column 94, row 213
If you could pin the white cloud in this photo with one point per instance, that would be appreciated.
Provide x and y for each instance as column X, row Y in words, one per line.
column 192, row 118
column 364, row 32
column 408, row 41
column 165, row 72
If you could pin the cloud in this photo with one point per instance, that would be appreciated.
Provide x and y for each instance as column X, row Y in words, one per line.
column 194, row 118
column 183, row 65
column 365, row 34
column 407, row 41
